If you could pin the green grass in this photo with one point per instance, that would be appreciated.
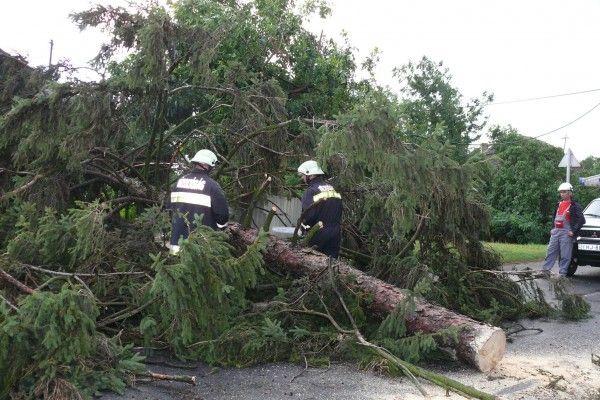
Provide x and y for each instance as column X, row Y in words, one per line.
column 516, row 253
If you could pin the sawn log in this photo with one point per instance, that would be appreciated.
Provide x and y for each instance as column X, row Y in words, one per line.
column 480, row 345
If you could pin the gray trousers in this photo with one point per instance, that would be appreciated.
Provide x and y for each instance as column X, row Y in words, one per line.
column 560, row 245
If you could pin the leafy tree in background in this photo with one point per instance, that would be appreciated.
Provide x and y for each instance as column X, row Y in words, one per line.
column 522, row 190
column 434, row 108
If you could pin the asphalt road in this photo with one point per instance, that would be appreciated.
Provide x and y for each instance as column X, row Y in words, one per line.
column 552, row 364
column 586, row 280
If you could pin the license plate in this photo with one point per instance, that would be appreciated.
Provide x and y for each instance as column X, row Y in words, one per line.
column 588, row 247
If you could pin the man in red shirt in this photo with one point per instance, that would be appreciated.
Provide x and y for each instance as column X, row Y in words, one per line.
column 568, row 219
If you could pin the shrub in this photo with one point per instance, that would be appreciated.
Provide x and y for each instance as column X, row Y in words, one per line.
column 515, row 228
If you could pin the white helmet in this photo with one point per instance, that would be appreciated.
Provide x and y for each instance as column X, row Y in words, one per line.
column 565, row 186
column 310, row 167
column 205, row 156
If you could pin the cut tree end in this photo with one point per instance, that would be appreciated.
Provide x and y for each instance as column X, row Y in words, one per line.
column 490, row 345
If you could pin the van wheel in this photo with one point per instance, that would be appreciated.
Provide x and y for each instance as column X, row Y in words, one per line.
column 572, row 268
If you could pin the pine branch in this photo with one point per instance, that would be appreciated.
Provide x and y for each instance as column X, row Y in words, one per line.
column 21, row 286
column 154, row 131
column 121, row 202
column 103, row 166
column 107, row 178
column 16, row 172
column 257, row 193
column 70, row 274
column 312, row 232
column 11, row 305
column 209, row 88
column 269, row 219
column 78, row 279
column 105, row 152
column 270, row 150
column 162, row 377
column 22, row 188
column 280, row 212
column 294, row 239
column 327, row 316
column 353, row 253
column 385, row 271
column 242, row 141
column 326, row 122
column 123, row 315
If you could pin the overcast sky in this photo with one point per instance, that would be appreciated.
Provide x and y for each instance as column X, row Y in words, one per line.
column 516, row 49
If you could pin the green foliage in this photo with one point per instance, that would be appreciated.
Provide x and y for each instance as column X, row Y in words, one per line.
column 485, row 295
column 434, row 108
column 574, row 307
column 510, row 227
column 197, row 293
column 50, row 348
column 571, row 306
column 82, row 239
column 392, row 335
column 523, row 185
column 289, row 330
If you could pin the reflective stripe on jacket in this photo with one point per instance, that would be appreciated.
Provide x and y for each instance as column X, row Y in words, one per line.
column 327, row 204
column 196, row 194
column 321, row 202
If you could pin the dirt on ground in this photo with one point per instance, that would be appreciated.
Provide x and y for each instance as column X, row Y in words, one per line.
column 549, row 359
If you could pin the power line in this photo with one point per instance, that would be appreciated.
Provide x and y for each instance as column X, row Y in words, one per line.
column 542, row 97
column 553, row 130
column 569, row 123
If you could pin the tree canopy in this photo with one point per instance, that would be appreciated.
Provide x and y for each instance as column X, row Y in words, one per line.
column 523, row 186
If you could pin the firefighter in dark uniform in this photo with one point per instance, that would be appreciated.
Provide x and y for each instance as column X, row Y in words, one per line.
column 321, row 202
column 197, row 194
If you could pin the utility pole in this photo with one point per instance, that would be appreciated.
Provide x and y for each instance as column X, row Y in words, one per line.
column 568, row 164
column 565, row 144
column 51, row 47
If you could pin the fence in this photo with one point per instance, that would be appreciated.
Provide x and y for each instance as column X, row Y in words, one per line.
column 288, row 212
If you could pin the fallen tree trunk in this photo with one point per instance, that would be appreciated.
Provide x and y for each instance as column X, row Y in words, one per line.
column 480, row 345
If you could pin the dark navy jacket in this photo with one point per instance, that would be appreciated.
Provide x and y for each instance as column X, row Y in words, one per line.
column 321, row 202
column 194, row 194
column 577, row 217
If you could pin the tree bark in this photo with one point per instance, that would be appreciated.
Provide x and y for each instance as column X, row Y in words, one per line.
column 480, row 345
column 21, row 286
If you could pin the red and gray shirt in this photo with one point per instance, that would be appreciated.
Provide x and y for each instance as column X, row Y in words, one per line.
column 562, row 218
column 569, row 215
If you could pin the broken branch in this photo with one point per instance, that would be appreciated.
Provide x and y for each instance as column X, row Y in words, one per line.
column 21, row 286
column 176, row 378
